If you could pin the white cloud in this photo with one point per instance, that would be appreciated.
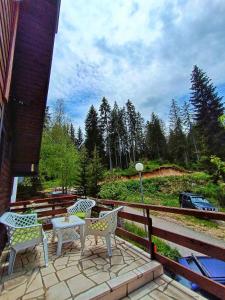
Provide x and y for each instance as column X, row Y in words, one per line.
column 142, row 50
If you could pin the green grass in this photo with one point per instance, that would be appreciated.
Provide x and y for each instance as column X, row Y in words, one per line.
column 50, row 184
column 162, row 247
column 201, row 222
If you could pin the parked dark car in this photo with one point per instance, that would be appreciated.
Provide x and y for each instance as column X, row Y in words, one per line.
column 210, row 267
column 189, row 200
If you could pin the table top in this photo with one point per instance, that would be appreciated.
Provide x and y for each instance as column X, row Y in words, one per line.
column 73, row 221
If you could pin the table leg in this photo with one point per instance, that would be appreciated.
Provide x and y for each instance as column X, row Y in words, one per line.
column 82, row 238
column 59, row 245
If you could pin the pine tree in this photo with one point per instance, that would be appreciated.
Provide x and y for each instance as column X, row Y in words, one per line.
column 177, row 144
column 208, row 108
column 105, row 115
column 72, row 134
column 95, row 171
column 80, row 139
column 93, row 133
column 155, row 139
column 190, row 130
column 83, row 170
column 132, row 125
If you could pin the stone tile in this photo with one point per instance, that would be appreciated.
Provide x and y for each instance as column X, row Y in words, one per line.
column 45, row 271
column 158, row 271
column 121, row 280
column 35, row 283
column 68, row 273
column 117, row 260
column 79, row 284
column 14, row 294
column 61, row 261
column 95, row 293
column 58, row 291
column 156, row 294
column 90, row 271
column 128, row 268
column 149, row 266
column 176, row 293
column 87, row 264
column 146, row 278
column 185, row 289
column 162, row 280
column 11, row 284
column 50, row 280
column 99, row 261
column 33, row 295
column 118, row 293
column 100, row 277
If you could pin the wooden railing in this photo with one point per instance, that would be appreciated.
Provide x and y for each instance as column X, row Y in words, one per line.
column 188, row 242
column 56, row 206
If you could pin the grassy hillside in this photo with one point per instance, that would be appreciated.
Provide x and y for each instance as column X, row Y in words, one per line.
column 165, row 190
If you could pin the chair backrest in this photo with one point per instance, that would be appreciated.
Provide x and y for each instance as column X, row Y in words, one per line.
column 82, row 205
column 21, row 228
column 105, row 224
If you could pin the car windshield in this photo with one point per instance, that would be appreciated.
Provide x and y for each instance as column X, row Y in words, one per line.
column 198, row 199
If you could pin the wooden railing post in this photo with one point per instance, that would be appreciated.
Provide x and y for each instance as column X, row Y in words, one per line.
column 151, row 244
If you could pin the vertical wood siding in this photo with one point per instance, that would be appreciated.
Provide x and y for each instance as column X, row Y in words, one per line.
column 9, row 11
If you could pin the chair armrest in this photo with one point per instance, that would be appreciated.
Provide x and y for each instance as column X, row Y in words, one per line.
column 103, row 213
column 28, row 226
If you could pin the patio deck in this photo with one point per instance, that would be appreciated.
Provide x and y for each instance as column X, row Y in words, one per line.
column 92, row 276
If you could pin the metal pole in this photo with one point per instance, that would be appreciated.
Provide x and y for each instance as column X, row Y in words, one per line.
column 142, row 197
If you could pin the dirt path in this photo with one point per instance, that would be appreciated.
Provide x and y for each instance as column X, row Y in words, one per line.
column 174, row 227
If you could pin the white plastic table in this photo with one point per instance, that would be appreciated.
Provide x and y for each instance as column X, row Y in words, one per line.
column 66, row 231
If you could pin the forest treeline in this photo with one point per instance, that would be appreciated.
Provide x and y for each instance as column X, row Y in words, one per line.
column 116, row 137
column 121, row 136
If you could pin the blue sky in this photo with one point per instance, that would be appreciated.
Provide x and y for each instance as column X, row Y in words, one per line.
column 140, row 50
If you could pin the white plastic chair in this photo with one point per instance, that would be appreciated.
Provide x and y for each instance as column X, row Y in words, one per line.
column 104, row 226
column 23, row 232
column 82, row 208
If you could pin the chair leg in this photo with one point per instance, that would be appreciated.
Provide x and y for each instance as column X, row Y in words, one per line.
column 83, row 245
column 45, row 248
column 12, row 258
column 108, row 243
column 115, row 240
column 59, row 245
column 96, row 239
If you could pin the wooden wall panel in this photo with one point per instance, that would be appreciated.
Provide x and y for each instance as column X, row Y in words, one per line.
column 9, row 11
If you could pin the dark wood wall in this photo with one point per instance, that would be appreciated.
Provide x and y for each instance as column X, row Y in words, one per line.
column 9, row 11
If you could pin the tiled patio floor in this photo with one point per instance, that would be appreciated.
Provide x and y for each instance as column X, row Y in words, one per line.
column 72, row 276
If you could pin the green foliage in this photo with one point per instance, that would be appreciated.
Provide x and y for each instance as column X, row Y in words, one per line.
column 95, row 173
column 59, row 157
column 208, row 109
column 155, row 138
column 29, row 187
column 162, row 247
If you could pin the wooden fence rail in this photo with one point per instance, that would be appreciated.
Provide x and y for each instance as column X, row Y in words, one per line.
column 56, row 206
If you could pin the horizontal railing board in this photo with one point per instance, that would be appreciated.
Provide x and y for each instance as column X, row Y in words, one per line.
column 23, row 209
column 136, row 238
column 42, row 200
column 191, row 243
column 204, row 282
column 174, row 210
